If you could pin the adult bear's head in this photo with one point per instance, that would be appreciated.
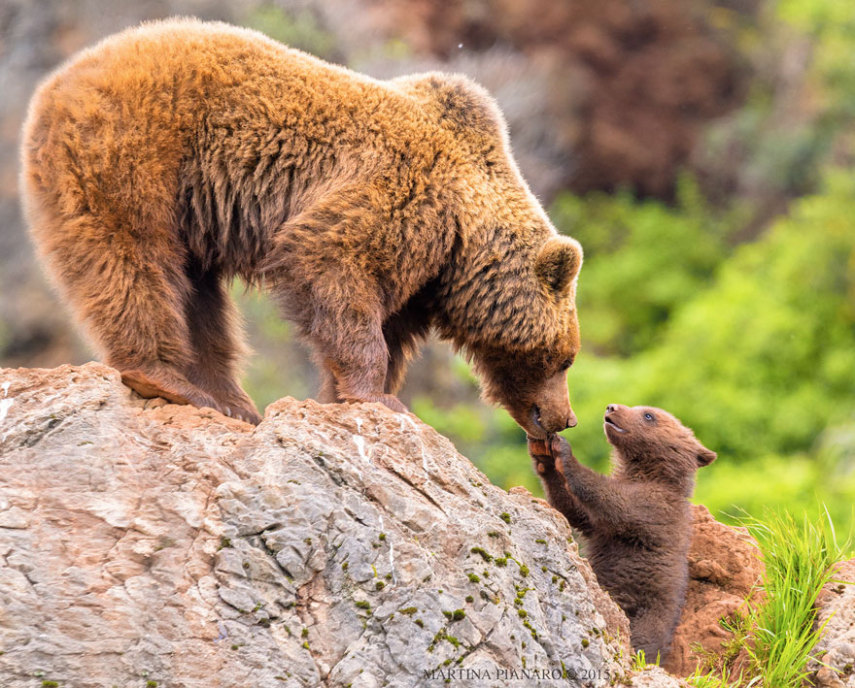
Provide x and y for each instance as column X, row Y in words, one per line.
column 507, row 294
column 516, row 317
column 530, row 381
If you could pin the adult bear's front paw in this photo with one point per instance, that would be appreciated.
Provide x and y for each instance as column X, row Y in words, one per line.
column 541, row 455
column 242, row 412
column 393, row 403
column 388, row 400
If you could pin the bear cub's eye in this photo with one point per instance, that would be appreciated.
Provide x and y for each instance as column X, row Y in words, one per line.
column 649, row 417
column 566, row 365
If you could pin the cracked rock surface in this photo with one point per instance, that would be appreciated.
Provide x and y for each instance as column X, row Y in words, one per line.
column 836, row 648
column 143, row 543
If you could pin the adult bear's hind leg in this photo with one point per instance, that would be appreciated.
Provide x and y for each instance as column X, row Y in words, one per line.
column 217, row 340
column 130, row 297
column 139, row 322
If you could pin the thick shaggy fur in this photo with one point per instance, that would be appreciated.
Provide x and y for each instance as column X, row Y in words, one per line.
column 173, row 157
column 636, row 523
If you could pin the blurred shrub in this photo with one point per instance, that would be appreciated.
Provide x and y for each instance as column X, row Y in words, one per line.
column 641, row 261
column 799, row 113
column 298, row 29
column 763, row 362
column 769, row 150
column 790, row 484
column 462, row 421
column 830, row 24
column 279, row 366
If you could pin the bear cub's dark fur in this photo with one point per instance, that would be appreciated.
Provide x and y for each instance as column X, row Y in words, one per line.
column 636, row 523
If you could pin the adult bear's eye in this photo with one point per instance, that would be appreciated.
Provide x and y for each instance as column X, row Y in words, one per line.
column 566, row 365
column 649, row 417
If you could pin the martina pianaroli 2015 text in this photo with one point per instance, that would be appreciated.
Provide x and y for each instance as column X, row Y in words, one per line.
column 498, row 674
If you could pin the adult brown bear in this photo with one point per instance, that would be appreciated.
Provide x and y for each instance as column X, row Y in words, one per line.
column 175, row 156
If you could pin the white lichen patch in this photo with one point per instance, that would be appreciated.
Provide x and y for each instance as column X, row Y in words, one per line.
column 5, row 402
column 407, row 421
column 359, row 441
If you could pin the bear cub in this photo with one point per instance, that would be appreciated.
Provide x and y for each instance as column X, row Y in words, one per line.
column 636, row 523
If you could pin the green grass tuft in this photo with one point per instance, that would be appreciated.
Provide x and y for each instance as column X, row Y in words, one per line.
column 713, row 680
column 780, row 634
column 480, row 551
column 799, row 561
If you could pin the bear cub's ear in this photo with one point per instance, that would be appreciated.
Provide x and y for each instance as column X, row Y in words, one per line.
column 558, row 262
column 705, row 456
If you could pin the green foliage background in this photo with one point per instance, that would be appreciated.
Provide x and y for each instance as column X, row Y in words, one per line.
column 746, row 334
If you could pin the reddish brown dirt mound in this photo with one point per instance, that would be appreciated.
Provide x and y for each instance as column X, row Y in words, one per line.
column 724, row 567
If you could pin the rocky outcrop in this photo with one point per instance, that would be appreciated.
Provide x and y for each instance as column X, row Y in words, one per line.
column 724, row 570
column 836, row 648
column 345, row 545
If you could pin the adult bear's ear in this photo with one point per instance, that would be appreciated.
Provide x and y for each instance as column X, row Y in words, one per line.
column 705, row 456
column 558, row 262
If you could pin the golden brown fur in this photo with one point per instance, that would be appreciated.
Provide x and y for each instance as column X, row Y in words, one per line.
column 173, row 157
column 636, row 523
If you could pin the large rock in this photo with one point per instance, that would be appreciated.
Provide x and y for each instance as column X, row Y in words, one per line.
column 143, row 543
column 836, row 649
column 724, row 570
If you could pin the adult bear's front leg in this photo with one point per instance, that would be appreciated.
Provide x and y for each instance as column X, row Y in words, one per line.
column 336, row 276
column 342, row 321
column 341, row 385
